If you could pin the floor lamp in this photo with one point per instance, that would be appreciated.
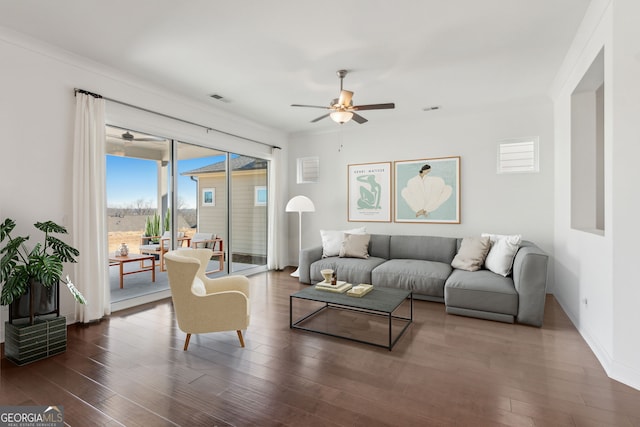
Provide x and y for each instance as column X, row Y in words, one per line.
column 299, row 204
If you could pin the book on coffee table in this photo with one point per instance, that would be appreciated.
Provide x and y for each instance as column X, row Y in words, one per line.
column 360, row 290
column 340, row 287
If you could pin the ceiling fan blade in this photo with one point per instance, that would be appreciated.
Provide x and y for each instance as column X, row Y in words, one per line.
column 319, row 118
column 309, row 106
column 152, row 138
column 374, row 107
column 345, row 98
column 359, row 119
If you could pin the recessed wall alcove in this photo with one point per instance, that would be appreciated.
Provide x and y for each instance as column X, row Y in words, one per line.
column 587, row 150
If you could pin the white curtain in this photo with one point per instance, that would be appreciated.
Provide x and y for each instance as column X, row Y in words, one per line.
column 89, row 208
column 275, row 249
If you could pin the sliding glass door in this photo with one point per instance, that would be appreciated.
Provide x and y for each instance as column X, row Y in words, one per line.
column 211, row 198
column 248, row 212
column 202, row 201
column 138, row 210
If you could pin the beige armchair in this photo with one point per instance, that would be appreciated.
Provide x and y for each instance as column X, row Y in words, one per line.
column 202, row 304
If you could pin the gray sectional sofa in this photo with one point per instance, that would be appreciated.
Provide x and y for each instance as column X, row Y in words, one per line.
column 423, row 264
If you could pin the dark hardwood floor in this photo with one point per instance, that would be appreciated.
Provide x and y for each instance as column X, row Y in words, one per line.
column 130, row 369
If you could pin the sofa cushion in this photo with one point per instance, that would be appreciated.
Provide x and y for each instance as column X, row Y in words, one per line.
column 421, row 277
column 481, row 290
column 352, row 270
column 426, row 248
column 472, row 253
column 355, row 246
column 503, row 250
column 332, row 240
column 379, row 245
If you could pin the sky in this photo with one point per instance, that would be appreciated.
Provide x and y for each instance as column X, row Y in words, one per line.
column 130, row 179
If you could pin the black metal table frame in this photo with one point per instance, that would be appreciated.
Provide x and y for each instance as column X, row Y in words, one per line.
column 328, row 305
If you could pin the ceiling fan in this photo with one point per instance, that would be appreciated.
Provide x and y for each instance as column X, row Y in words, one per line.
column 342, row 108
column 129, row 137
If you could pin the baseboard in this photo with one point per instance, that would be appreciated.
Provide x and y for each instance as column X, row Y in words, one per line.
column 614, row 370
column 625, row 374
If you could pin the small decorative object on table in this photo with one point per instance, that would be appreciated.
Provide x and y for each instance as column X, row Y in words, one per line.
column 327, row 273
column 123, row 250
column 360, row 290
column 334, row 279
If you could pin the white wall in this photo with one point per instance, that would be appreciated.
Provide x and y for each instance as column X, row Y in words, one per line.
column 626, row 176
column 36, row 122
column 504, row 204
column 596, row 276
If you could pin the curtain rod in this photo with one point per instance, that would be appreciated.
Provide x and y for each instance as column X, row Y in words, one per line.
column 207, row 128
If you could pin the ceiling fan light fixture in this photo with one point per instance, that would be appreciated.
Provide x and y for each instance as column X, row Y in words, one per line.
column 341, row 116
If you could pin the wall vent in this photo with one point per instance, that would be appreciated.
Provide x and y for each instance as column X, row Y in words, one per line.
column 518, row 155
column 308, row 170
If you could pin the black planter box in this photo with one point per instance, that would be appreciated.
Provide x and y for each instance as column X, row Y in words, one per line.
column 37, row 301
column 25, row 343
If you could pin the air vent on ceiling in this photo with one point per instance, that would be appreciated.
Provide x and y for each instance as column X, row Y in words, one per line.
column 220, row 98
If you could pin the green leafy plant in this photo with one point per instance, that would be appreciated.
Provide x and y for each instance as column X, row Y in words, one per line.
column 20, row 267
column 152, row 226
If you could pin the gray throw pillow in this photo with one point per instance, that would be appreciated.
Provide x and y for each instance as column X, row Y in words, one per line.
column 472, row 253
column 355, row 246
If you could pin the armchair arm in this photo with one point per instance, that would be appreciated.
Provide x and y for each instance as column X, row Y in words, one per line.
column 164, row 246
column 144, row 240
column 184, row 239
column 195, row 244
column 227, row 283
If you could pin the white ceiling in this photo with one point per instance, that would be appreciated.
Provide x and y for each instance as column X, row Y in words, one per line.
column 263, row 56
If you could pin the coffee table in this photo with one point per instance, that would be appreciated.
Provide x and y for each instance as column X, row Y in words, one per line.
column 380, row 301
column 122, row 260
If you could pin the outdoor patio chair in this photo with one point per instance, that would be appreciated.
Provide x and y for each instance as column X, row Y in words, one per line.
column 210, row 240
column 148, row 247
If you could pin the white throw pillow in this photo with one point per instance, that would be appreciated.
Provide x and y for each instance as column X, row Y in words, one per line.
column 503, row 249
column 332, row 240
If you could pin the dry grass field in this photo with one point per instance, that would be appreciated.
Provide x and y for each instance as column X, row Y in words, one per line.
column 130, row 228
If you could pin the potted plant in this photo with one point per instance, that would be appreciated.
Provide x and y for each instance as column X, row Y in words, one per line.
column 34, row 273
column 152, row 228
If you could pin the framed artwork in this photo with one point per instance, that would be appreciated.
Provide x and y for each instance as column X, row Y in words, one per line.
column 369, row 192
column 428, row 190
column 208, row 197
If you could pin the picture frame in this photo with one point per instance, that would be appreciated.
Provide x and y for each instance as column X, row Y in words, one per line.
column 427, row 190
column 208, row 197
column 369, row 192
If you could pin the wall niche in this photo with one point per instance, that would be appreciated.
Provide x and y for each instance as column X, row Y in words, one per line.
column 587, row 150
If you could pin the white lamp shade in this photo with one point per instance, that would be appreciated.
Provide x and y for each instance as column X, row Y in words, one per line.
column 300, row 204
